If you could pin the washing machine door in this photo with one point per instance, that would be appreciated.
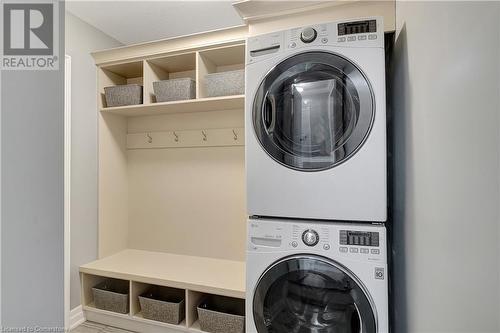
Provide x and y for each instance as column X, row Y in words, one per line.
column 313, row 111
column 312, row 294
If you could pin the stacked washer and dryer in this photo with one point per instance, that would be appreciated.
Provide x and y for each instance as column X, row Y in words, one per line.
column 316, row 179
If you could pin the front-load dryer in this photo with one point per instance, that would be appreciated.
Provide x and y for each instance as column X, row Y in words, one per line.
column 316, row 277
column 316, row 122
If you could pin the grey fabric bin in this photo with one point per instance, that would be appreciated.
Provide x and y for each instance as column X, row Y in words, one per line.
column 112, row 295
column 128, row 94
column 163, row 304
column 225, row 83
column 219, row 314
column 174, row 90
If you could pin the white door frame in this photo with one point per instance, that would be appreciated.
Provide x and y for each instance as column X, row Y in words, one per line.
column 1, row 325
column 67, row 190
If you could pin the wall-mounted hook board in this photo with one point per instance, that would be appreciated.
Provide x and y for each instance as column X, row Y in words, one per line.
column 216, row 137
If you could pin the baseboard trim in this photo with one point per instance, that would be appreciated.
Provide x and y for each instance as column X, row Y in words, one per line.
column 126, row 322
column 76, row 317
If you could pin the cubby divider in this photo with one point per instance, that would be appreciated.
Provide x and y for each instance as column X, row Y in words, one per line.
column 136, row 289
column 193, row 298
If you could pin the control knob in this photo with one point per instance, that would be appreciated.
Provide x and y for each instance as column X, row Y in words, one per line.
column 310, row 237
column 308, row 35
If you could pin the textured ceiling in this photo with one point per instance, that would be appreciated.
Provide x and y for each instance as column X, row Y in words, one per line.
column 133, row 22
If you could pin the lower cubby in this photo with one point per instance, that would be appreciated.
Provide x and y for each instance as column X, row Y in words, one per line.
column 158, row 304
column 107, row 289
column 165, row 309
column 215, row 313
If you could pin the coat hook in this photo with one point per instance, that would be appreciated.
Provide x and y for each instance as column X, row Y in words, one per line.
column 176, row 137
column 150, row 138
column 235, row 135
column 204, row 135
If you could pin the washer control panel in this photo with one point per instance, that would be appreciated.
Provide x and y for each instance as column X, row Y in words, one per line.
column 354, row 240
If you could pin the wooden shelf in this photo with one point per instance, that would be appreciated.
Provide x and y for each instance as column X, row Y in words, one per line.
column 207, row 275
column 91, row 307
column 139, row 317
column 186, row 106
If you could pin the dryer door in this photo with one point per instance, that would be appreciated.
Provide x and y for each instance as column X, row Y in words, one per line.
column 306, row 294
column 313, row 111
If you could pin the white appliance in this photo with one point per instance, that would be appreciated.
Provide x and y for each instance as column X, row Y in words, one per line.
column 316, row 122
column 316, row 277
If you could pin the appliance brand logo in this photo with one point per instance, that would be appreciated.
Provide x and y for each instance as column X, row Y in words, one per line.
column 379, row 273
column 30, row 38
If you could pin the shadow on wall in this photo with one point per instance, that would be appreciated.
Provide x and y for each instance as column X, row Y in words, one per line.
column 400, row 164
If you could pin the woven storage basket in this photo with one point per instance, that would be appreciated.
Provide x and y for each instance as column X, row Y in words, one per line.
column 163, row 304
column 218, row 314
column 225, row 83
column 128, row 94
column 112, row 295
column 174, row 90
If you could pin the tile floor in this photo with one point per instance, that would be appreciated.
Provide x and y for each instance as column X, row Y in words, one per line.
column 89, row 327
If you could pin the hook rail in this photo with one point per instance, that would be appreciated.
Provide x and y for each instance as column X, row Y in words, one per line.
column 216, row 137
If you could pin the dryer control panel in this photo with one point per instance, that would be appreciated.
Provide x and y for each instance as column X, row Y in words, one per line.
column 360, row 241
column 349, row 33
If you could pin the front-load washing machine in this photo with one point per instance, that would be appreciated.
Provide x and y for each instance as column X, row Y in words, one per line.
column 316, row 122
column 316, row 277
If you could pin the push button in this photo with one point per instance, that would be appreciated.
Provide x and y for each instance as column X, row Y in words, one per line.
column 372, row 37
column 351, row 39
column 341, row 39
column 363, row 37
column 365, row 251
column 343, row 249
column 375, row 251
column 326, row 247
column 354, row 250
column 294, row 244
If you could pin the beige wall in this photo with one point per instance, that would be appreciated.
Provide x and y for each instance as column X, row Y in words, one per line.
column 187, row 200
column 446, row 147
column 81, row 39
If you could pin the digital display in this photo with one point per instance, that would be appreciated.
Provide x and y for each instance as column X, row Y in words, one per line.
column 359, row 238
column 359, row 27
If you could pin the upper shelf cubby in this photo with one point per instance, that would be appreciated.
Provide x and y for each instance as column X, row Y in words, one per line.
column 217, row 60
column 167, row 68
column 119, row 74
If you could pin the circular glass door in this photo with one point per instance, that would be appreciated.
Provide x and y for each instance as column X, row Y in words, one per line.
column 311, row 294
column 313, row 111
